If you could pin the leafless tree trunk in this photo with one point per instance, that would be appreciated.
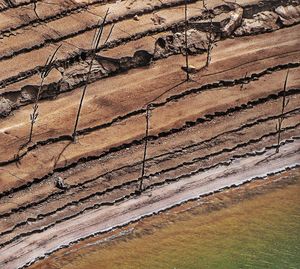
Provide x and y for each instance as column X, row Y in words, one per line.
column 186, row 41
column 281, row 119
column 210, row 35
column 95, row 47
column 148, row 108
column 45, row 72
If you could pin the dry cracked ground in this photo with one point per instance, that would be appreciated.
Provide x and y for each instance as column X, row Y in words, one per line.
column 231, row 122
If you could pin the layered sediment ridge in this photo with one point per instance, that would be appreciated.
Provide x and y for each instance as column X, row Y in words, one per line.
column 223, row 127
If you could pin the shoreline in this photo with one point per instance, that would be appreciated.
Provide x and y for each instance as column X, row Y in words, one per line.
column 213, row 203
column 37, row 246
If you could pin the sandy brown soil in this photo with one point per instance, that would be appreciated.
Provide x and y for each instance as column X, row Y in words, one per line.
column 219, row 127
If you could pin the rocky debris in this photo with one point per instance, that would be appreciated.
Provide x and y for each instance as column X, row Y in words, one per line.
column 60, row 184
column 268, row 21
column 140, row 58
column 104, row 66
column 265, row 21
column 191, row 69
column 136, row 18
column 226, row 19
column 233, row 21
column 288, row 15
column 28, row 93
column 158, row 20
column 222, row 20
column 5, row 107
column 175, row 43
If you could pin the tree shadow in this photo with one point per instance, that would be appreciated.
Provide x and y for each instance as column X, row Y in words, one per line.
column 61, row 154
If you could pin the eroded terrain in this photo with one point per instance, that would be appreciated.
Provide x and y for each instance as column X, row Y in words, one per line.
column 232, row 121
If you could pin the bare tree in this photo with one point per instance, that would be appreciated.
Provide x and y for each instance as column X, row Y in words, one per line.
column 149, row 108
column 281, row 118
column 148, row 114
column 210, row 35
column 44, row 73
column 95, row 48
column 186, row 41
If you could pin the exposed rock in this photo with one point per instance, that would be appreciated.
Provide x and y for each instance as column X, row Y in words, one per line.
column 28, row 93
column 51, row 90
column 288, row 15
column 262, row 22
column 234, row 21
column 224, row 20
column 140, row 58
column 5, row 107
column 106, row 65
column 191, row 69
column 59, row 183
column 158, row 20
column 174, row 44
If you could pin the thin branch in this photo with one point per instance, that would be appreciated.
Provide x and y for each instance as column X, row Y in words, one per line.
column 109, row 34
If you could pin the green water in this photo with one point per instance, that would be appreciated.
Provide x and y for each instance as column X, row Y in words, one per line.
column 258, row 233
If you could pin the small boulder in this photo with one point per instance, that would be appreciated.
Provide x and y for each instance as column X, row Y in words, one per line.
column 190, row 70
column 5, row 107
column 175, row 43
column 262, row 22
column 224, row 20
column 60, row 184
column 233, row 21
column 28, row 93
column 158, row 20
column 288, row 15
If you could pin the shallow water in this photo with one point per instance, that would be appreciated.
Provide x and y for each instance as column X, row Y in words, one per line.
column 263, row 232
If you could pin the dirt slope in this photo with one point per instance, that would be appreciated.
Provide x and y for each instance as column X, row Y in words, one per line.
column 218, row 129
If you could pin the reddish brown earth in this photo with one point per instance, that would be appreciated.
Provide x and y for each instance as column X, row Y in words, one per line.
column 226, row 115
